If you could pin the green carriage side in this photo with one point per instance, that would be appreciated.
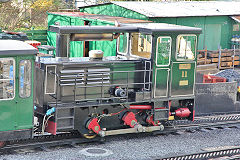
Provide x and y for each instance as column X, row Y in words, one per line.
column 16, row 89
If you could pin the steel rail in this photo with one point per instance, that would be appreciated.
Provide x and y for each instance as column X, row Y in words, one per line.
column 234, row 153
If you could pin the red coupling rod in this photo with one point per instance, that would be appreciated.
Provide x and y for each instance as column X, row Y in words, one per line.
column 140, row 107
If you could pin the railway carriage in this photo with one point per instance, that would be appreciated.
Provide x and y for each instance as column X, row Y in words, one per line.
column 149, row 82
column 16, row 90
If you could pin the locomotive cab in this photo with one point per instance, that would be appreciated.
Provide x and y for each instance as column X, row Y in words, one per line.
column 148, row 82
column 16, row 90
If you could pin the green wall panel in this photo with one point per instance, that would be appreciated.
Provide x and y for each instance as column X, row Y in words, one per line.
column 113, row 10
column 76, row 48
column 164, row 20
column 213, row 36
column 194, row 22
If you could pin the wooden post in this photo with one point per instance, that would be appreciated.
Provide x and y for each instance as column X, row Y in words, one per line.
column 219, row 58
column 205, row 56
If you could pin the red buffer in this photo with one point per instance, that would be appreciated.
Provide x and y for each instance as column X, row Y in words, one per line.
column 182, row 112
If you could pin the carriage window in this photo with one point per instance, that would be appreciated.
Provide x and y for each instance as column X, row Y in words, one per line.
column 163, row 50
column 7, row 78
column 25, row 76
column 123, row 43
column 141, row 45
column 186, row 47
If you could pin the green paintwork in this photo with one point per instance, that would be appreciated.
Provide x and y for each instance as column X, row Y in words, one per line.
column 112, row 10
column 186, row 75
column 167, row 77
column 17, row 113
column 216, row 30
column 161, row 82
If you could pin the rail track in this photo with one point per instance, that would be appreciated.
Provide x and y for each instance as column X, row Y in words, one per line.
column 205, row 123
column 227, row 153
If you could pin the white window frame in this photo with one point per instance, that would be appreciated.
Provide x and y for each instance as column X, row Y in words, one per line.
column 177, row 47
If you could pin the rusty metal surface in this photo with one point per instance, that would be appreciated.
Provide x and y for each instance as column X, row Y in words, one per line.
column 236, row 18
column 100, row 17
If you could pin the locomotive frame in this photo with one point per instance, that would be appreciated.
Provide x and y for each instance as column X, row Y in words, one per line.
column 140, row 89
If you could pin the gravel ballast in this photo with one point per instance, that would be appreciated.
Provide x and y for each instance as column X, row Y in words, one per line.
column 139, row 146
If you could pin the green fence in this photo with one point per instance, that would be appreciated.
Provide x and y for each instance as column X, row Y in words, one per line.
column 37, row 35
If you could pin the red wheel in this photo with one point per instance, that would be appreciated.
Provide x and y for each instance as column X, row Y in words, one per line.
column 2, row 144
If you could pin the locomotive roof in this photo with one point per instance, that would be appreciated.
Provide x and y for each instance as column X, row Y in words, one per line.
column 132, row 27
column 14, row 47
column 164, row 27
column 91, row 29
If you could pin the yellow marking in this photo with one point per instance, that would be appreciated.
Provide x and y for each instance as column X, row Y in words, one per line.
column 183, row 83
column 184, row 66
column 171, row 118
column 184, row 74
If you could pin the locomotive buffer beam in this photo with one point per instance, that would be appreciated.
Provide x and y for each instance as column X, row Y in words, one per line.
column 136, row 129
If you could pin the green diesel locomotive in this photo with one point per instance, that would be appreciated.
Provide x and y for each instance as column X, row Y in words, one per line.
column 149, row 82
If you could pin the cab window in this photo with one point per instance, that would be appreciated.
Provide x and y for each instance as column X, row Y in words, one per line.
column 186, row 47
column 7, row 78
column 163, row 51
column 25, row 72
column 141, row 45
column 123, row 43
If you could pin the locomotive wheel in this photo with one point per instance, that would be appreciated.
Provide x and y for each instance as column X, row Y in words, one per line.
column 89, row 136
column 2, row 144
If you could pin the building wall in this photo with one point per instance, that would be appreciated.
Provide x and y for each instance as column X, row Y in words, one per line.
column 216, row 30
column 113, row 10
